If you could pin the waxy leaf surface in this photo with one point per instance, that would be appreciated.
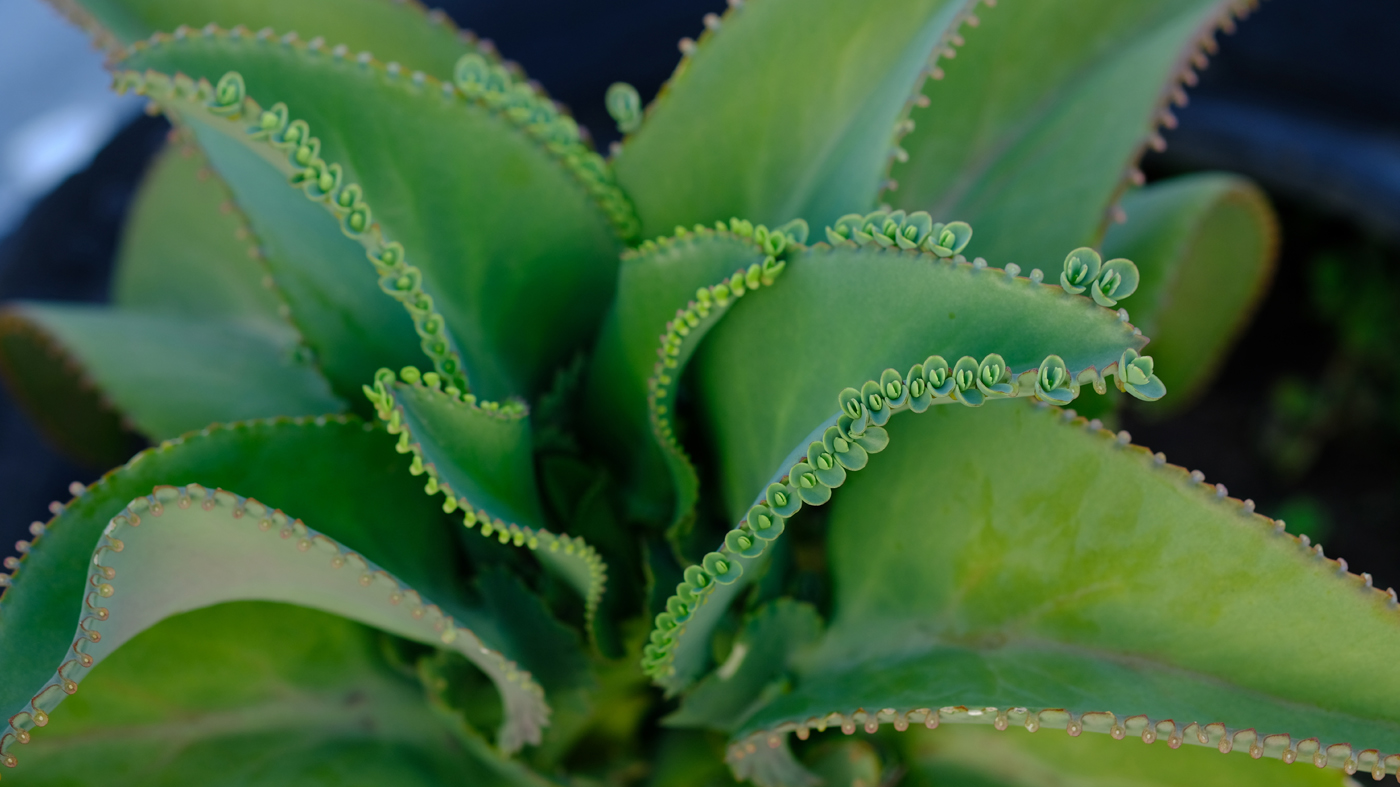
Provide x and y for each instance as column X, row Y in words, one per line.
column 786, row 111
column 1032, row 132
column 1054, row 572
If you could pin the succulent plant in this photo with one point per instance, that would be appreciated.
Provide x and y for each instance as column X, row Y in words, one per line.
column 474, row 452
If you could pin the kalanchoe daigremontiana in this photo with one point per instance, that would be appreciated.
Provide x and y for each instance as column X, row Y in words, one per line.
column 515, row 448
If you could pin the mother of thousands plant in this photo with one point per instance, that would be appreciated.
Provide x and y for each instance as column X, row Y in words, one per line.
column 484, row 431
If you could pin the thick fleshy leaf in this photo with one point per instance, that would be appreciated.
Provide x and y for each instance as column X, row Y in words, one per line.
column 337, row 471
column 249, row 693
column 167, row 375
column 521, row 275
column 480, row 457
column 770, row 373
column 1036, row 125
column 982, row 757
column 183, row 548
column 1206, row 246
column 1059, row 579
column 336, row 303
column 397, row 31
column 785, row 111
column 187, row 251
column 827, row 441
column 654, row 284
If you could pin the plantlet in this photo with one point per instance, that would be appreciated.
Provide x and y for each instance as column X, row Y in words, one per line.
column 475, row 452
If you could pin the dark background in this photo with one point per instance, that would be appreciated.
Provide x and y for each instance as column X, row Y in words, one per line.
column 1305, row 98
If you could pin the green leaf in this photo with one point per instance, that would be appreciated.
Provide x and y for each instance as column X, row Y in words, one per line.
column 1022, row 316
column 181, row 548
column 63, row 402
column 1206, row 246
column 521, row 275
column 393, row 31
column 339, row 472
column 1055, row 576
column 975, row 756
column 335, row 301
column 786, row 110
column 760, row 656
column 479, row 456
column 654, row 284
column 686, row 758
column 770, row 373
column 187, row 251
column 1038, row 122
column 166, row 374
column 249, row 693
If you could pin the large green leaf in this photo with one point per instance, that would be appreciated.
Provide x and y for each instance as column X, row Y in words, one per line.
column 521, row 275
column 182, row 548
column 787, row 110
column 248, row 693
column 1206, row 246
column 977, row 756
column 186, row 250
column 340, row 473
column 166, row 374
column 769, row 374
column 394, row 30
column 1033, row 130
column 480, row 457
column 1056, row 576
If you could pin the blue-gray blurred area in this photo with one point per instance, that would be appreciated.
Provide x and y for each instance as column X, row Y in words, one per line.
column 1304, row 98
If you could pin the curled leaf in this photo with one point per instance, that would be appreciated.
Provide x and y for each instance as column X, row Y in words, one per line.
column 1135, row 376
column 1081, row 269
column 1117, row 280
column 625, row 106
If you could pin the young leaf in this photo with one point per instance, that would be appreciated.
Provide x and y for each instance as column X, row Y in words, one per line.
column 479, row 456
column 248, row 693
column 1059, row 580
column 166, row 374
column 654, row 284
column 1034, row 128
column 785, row 110
column 1206, row 245
column 520, row 276
column 395, row 31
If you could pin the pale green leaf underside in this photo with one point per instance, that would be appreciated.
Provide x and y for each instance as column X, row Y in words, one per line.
column 521, row 274
column 651, row 287
column 376, row 508
column 978, row 756
column 1052, row 568
column 786, row 111
column 1032, row 132
column 1206, row 246
column 185, row 250
column 249, row 693
column 770, row 372
column 394, row 30
column 169, row 375
column 480, row 457
column 183, row 548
